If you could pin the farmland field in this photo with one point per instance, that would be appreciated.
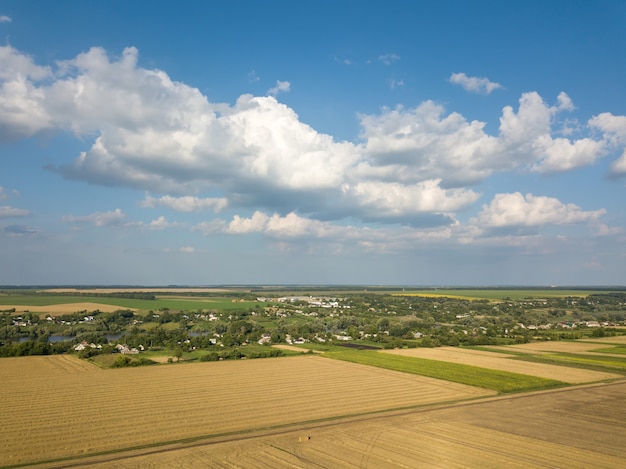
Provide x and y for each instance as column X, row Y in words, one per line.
column 504, row 362
column 565, row 346
column 498, row 293
column 139, row 290
column 497, row 380
column 575, row 428
column 71, row 304
column 58, row 407
column 64, row 308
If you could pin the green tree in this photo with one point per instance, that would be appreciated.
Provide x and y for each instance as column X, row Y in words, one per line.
column 178, row 352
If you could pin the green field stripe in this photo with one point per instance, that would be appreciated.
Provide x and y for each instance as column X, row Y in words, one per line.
column 496, row 380
column 616, row 349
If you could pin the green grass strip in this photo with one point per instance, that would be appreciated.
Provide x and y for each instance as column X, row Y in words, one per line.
column 617, row 349
column 496, row 380
column 601, row 360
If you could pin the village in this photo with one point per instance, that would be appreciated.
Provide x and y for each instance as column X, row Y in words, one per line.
column 362, row 320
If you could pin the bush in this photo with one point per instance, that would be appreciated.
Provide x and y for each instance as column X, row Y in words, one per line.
column 209, row 357
column 121, row 361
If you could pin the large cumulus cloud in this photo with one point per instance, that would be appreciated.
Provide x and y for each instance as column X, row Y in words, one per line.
column 149, row 132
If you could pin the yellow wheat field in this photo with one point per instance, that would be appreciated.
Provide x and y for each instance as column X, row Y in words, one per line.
column 565, row 346
column 612, row 340
column 505, row 362
column 60, row 407
column 576, row 428
column 137, row 290
column 65, row 308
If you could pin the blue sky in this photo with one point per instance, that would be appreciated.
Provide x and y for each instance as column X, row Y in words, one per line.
column 351, row 142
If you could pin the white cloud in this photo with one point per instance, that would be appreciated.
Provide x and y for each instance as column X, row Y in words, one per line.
column 290, row 226
column 613, row 129
column 159, row 224
column 5, row 19
column 618, row 167
column 388, row 59
column 474, row 84
column 517, row 210
column 422, row 144
column 510, row 220
column 281, row 87
column 294, row 231
column 188, row 249
column 117, row 218
column 527, row 136
column 397, row 200
column 149, row 132
column 22, row 104
column 277, row 226
column 15, row 65
column 565, row 103
column 186, row 203
column 111, row 218
column 256, row 223
column 562, row 154
column 531, row 121
column 7, row 212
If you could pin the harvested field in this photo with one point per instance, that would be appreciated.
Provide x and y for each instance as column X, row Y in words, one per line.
column 67, row 308
column 563, row 346
column 61, row 407
column 549, row 347
column 504, row 362
column 612, row 340
column 138, row 290
column 540, row 430
column 293, row 348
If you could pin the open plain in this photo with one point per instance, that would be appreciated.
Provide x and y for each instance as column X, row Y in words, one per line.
column 579, row 427
column 296, row 412
column 59, row 408
column 63, row 308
